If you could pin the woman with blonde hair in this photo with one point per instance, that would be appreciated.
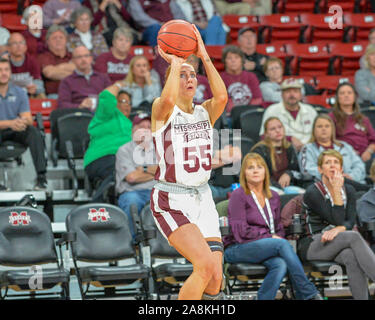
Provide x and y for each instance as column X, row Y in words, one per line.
column 331, row 216
column 142, row 82
column 279, row 154
column 257, row 232
column 324, row 138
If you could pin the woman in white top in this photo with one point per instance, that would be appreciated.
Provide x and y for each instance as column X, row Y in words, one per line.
column 181, row 201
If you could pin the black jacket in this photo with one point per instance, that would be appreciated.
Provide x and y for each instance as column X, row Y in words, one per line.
column 293, row 166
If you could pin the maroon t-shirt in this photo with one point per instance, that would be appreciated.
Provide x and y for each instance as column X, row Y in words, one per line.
column 242, row 88
column 46, row 59
column 116, row 69
column 281, row 159
column 157, row 9
column 203, row 91
column 294, row 114
column 29, row 70
column 35, row 45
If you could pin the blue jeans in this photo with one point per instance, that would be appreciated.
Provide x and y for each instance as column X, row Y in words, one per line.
column 150, row 34
column 214, row 34
column 219, row 192
column 126, row 199
column 279, row 258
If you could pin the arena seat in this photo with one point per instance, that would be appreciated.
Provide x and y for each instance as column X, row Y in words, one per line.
column 346, row 5
column 328, row 84
column 69, row 125
column 347, row 56
column 318, row 28
column 279, row 27
column 296, row 6
column 236, row 22
column 12, row 21
column 362, row 24
column 215, row 52
column 319, row 101
column 146, row 51
column 102, row 235
column 250, row 123
column 370, row 113
column 171, row 269
column 28, row 241
column 308, row 59
column 44, row 107
column 8, row 6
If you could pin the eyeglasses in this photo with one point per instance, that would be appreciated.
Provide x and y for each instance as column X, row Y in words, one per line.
column 17, row 43
column 124, row 101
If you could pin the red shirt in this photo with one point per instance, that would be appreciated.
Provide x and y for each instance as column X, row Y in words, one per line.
column 46, row 59
column 242, row 88
column 116, row 69
column 28, row 71
column 35, row 45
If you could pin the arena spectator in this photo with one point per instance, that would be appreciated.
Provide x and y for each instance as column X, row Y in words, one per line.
column 109, row 129
column 279, row 155
column 271, row 88
column 203, row 14
column 16, row 123
column 142, row 83
column 258, row 237
column 83, row 35
column 203, row 91
column 116, row 15
column 254, row 61
column 329, row 234
column 55, row 63
column 150, row 15
column 365, row 78
column 81, row 89
column 324, row 138
column 237, row 7
column 366, row 206
column 371, row 41
column 297, row 117
column 136, row 165
column 351, row 125
column 58, row 12
column 25, row 68
column 243, row 86
column 160, row 66
column 35, row 38
column 116, row 61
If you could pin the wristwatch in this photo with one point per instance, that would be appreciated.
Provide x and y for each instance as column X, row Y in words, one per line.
column 118, row 85
column 145, row 169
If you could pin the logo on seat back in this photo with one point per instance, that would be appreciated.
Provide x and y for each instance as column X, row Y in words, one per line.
column 21, row 218
column 101, row 215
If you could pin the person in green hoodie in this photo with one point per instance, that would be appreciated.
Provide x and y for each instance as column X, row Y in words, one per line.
column 109, row 129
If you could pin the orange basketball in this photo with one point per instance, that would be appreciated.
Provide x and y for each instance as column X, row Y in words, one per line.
column 177, row 37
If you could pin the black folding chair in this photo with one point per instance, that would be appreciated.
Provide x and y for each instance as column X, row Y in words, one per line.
column 26, row 240
column 102, row 235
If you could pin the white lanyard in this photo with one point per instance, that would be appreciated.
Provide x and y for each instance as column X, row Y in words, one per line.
column 270, row 224
column 330, row 197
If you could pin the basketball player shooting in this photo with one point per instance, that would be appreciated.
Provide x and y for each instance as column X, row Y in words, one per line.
column 181, row 201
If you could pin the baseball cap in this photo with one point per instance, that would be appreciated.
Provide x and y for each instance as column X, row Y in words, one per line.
column 291, row 83
column 140, row 117
column 242, row 30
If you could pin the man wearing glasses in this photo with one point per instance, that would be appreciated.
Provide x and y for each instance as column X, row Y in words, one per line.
column 82, row 87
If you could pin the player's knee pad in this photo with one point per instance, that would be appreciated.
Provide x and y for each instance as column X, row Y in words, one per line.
column 216, row 246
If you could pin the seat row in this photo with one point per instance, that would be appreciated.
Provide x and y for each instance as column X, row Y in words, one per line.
column 304, row 27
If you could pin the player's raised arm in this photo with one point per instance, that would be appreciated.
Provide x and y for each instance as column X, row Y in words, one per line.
column 216, row 105
column 163, row 106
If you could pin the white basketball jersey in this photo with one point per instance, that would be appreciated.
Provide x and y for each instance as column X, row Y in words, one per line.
column 184, row 147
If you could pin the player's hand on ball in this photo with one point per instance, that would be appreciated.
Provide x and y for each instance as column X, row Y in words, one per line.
column 170, row 57
column 201, row 49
